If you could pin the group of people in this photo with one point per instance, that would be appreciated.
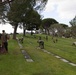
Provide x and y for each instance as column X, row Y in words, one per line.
column 4, row 42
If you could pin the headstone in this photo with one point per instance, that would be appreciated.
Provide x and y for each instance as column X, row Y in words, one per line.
column 21, row 40
column 74, row 44
column 41, row 44
column 46, row 37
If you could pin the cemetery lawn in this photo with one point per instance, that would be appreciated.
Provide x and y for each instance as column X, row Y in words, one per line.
column 14, row 63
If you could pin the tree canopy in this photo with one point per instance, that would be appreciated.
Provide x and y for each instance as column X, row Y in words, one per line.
column 73, row 21
column 58, row 29
column 46, row 23
column 25, row 11
column 33, row 20
column 73, row 28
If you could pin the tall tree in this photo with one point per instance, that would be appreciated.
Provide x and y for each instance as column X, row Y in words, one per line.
column 1, row 10
column 73, row 28
column 4, row 4
column 33, row 20
column 20, row 8
column 58, row 29
column 46, row 23
column 73, row 31
column 73, row 21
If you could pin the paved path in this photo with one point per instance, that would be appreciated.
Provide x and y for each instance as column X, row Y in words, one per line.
column 26, row 55
column 62, row 59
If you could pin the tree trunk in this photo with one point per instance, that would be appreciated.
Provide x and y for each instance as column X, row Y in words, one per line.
column 15, row 29
column 31, row 32
column 24, row 32
column 48, row 32
column 45, row 31
column 24, row 29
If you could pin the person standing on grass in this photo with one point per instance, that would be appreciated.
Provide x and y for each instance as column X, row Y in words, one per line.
column 4, row 39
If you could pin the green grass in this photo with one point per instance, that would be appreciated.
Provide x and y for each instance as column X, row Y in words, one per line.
column 14, row 62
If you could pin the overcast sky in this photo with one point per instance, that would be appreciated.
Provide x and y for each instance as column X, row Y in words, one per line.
column 61, row 10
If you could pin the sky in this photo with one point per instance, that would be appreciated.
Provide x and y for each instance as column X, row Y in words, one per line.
column 61, row 10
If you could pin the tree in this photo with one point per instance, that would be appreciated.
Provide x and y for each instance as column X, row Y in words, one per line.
column 73, row 31
column 3, row 9
column 14, row 18
column 20, row 8
column 73, row 21
column 46, row 23
column 68, row 33
column 33, row 20
column 73, row 28
column 58, row 29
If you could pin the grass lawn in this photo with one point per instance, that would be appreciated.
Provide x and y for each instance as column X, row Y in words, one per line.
column 14, row 62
